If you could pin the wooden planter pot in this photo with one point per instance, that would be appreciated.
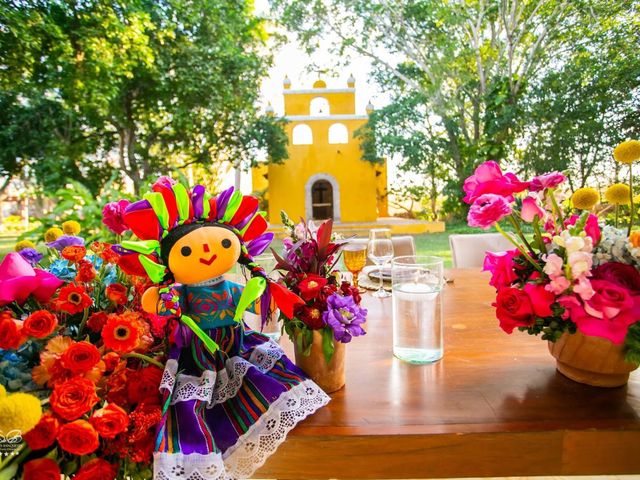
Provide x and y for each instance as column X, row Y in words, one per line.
column 329, row 376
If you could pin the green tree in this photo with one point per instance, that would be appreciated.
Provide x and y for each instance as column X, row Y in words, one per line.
column 139, row 86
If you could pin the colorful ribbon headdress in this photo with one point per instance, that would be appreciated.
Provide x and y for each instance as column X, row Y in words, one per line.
column 170, row 205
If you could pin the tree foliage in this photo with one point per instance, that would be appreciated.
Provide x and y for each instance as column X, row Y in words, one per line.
column 138, row 87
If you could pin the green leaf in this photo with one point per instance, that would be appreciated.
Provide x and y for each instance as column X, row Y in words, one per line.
column 328, row 346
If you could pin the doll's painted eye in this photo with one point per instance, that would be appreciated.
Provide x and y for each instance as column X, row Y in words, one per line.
column 185, row 251
column 226, row 243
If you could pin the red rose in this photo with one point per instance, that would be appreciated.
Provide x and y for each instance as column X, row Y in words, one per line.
column 11, row 336
column 97, row 320
column 310, row 287
column 110, row 420
column 41, row 469
column 86, row 271
column 541, row 299
column 43, row 434
column 39, row 324
column 607, row 314
column 117, row 293
column 96, row 469
column 143, row 385
column 78, row 438
column 626, row 276
column 73, row 398
column 513, row 309
column 80, row 357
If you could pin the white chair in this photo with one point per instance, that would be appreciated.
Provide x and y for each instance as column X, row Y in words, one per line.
column 467, row 251
column 402, row 245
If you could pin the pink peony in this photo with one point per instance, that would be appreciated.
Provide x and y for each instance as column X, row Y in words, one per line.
column 18, row 280
column 488, row 178
column 487, row 210
column 592, row 229
column 548, row 180
column 502, row 268
column 607, row 314
column 531, row 210
column 113, row 216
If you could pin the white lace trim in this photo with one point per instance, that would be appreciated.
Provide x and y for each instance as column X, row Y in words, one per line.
column 217, row 387
column 253, row 448
column 208, row 283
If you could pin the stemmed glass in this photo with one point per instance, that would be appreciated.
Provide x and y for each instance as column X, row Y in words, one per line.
column 355, row 258
column 380, row 250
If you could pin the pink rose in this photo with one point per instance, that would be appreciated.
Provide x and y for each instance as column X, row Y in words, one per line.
column 531, row 210
column 607, row 314
column 502, row 268
column 487, row 210
column 488, row 178
column 621, row 274
column 592, row 229
column 113, row 216
column 548, row 180
column 541, row 299
column 513, row 309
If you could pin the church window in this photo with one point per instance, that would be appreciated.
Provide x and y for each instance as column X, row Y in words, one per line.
column 338, row 133
column 302, row 135
column 319, row 107
column 322, row 200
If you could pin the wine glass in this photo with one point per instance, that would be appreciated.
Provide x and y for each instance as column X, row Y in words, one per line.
column 380, row 251
column 355, row 258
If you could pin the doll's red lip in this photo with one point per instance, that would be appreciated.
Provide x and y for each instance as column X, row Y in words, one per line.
column 209, row 261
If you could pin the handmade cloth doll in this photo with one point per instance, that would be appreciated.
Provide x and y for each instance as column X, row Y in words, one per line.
column 230, row 396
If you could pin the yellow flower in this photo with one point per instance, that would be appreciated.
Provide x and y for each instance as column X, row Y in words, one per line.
column 19, row 411
column 627, row 152
column 585, row 198
column 634, row 238
column 22, row 244
column 53, row 234
column 71, row 227
column 618, row 194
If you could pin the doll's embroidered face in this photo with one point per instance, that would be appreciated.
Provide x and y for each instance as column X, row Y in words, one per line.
column 202, row 254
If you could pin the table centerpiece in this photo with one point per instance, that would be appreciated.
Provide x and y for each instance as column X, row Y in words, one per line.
column 574, row 280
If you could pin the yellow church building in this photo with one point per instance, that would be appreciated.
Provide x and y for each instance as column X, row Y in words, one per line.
column 325, row 175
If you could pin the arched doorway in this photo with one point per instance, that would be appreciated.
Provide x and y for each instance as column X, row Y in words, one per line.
column 321, row 200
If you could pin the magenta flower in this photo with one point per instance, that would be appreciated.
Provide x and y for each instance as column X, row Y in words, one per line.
column 488, row 178
column 592, row 229
column 164, row 181
column 487, row 210
column 502, row 268
column 531, row 209
column 344, row 317
column 18, row 280
column 113, row 216
column 548, row 180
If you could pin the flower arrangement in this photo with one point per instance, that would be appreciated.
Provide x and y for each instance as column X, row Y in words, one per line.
column 73, row 335
column 572, row 272
column 331, row 307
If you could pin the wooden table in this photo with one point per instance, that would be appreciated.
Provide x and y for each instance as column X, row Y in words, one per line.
column 494, row 406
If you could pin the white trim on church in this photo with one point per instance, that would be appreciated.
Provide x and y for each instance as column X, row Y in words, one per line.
column 319, row 90
column 306, row 118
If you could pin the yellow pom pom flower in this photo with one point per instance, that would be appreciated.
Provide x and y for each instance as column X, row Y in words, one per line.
column 627, row 152
column 618, row 194
column 585, row 198
column 22, row 244
column 53, row 234
column 71, row 227
column 19, row 411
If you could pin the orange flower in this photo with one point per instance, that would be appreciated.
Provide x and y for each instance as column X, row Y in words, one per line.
column 86, row 271
column 117, row 293
column 111, row 361
column 73, row 299
column 634, row 238
column 39, row 324
column 44, row 433
column 41, row 469
column 122, row 333
column 96, row 469
column 78, row 438
column 80, row 357
column 11, row 336
column 74, row 253
column 105, row 252
column 110, row 420
column 73, row 398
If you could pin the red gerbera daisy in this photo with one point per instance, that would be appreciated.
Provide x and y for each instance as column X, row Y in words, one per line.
column 73, row 299
column 122, row 333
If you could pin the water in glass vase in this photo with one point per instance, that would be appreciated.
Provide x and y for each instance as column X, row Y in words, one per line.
column 417, row 322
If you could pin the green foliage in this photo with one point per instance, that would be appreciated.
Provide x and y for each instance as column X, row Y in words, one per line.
column 138, row 86
column 632, row 344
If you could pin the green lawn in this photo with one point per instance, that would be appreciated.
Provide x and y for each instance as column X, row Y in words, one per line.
column 6, row 244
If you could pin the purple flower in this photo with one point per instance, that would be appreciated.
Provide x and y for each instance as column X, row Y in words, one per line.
column 548, row 180
column 344, row 317
column 113, row 216
column 31, row 255
column 66, row 241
